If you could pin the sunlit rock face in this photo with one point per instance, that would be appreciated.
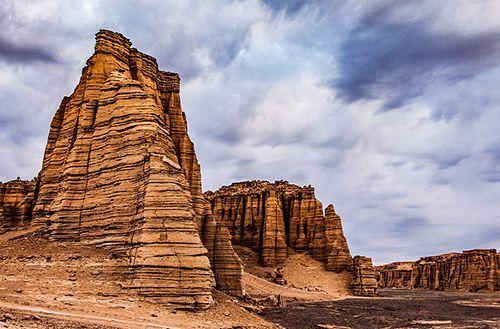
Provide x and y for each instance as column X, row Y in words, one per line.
column 270, row 218
column 120, row 173
column 471, row 270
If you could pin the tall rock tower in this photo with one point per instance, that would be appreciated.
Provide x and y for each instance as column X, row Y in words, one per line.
column 120, row 172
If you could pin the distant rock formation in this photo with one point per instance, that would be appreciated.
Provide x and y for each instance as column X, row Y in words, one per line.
column 471, row 270
column 16, row 202
column 120, row 173
column 395, row 275
column 272, row 218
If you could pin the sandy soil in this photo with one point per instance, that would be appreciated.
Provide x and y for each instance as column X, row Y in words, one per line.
column 394, row 309
column 306, row 278
column 47, row 284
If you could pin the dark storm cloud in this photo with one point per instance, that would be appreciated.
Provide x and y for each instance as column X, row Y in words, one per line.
column 448, row 162
column 408, row 226
column 290, row 7
column 24, row 53
column 396, row 60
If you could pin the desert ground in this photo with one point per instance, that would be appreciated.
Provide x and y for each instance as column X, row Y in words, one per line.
column 46, row 284
column 394, row 309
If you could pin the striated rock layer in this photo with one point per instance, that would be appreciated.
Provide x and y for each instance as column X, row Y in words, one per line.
column 471, row 270
column 395, row 275
column 272, row 217
column 365, row 277
column 120, row 172
column 16, row 202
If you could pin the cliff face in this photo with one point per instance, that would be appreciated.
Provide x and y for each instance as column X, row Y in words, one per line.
column 471, row 270
column 395, row 275
column 120, row 172
column 272, row 217
column 16, row 202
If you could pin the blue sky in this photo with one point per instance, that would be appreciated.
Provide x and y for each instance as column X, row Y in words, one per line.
column 391, row 109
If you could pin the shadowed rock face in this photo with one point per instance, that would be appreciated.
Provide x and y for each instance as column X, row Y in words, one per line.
column 471, row 270
column 16, row 202
column 120, row 172
column 272, row 217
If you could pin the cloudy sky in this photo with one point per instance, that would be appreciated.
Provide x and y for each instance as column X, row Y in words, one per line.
column 391, row 109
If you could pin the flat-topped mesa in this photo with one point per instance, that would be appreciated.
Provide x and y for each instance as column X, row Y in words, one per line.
column 272, row 217
column 471, row 270
column 16, row 202
column 120, row 172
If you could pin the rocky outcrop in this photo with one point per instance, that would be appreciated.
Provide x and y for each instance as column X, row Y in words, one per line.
column 365, row 277
column 120, row 173
column 270, row 218
column 16, row 202
column 471, row 270
column 395, row 275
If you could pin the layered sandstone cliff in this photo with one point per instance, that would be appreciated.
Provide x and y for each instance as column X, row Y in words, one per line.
column 120, row 173
column 277, row 219
column 471, row 270
column 395, row 275
column 16, row 202
column 272, row 217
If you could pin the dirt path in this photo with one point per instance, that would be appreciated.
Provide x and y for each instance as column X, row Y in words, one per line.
column 394, row 309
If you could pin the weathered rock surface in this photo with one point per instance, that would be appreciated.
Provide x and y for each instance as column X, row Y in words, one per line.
column 16, row 202
column 365, row 277
column 120, row 173
column 272, row 217
column 395, row 275
column 471, row 270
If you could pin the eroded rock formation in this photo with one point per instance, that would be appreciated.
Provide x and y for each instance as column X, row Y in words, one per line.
column 275, row 218
column 395, row 275
column 272, row 217
column 120, row 173
column 471, row 270
column 16, row 202
column 365, row 277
